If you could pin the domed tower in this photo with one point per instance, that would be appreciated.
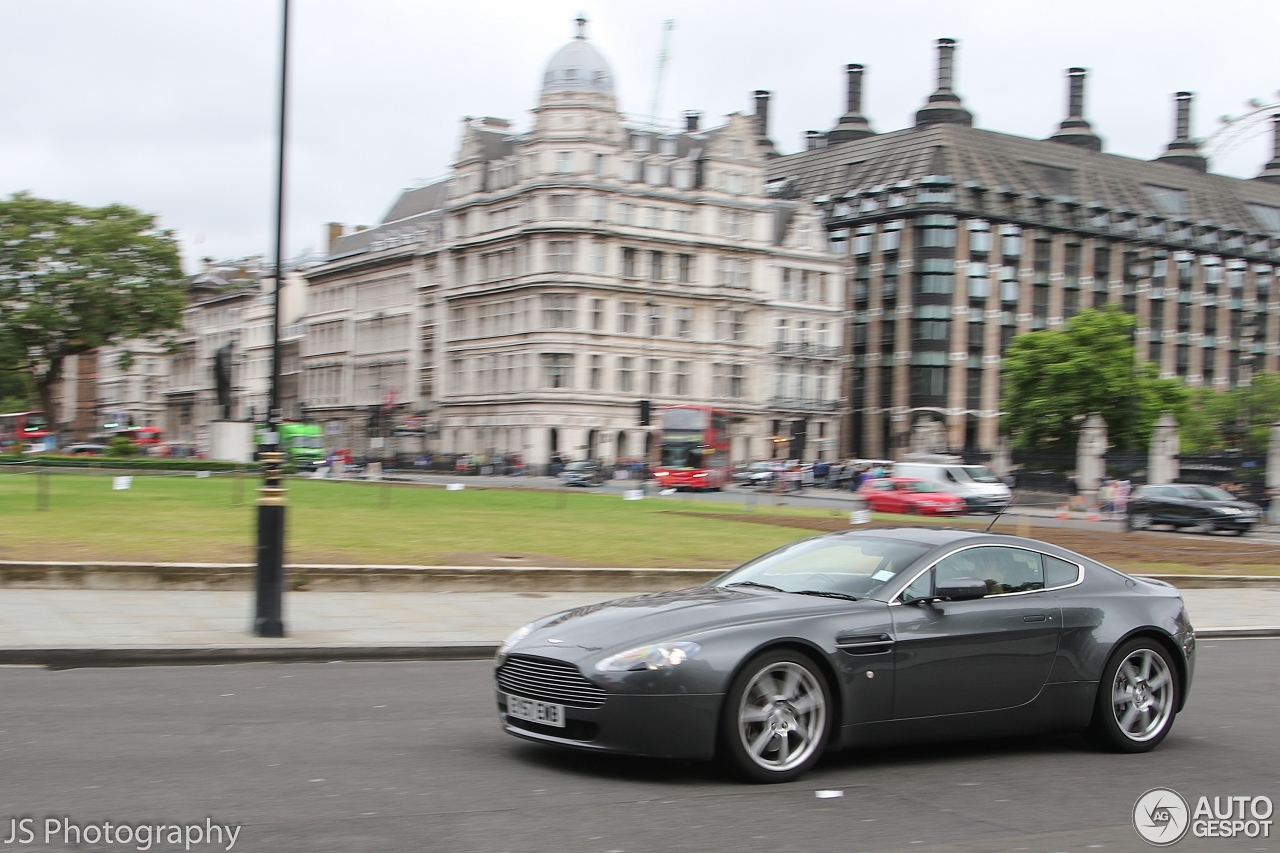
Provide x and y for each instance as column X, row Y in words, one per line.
column 577, row 98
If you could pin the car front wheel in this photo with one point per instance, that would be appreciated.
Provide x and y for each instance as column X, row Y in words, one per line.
column 777, row 717
column 1137, row 698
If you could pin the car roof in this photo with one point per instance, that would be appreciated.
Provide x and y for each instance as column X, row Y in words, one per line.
column 923, row 535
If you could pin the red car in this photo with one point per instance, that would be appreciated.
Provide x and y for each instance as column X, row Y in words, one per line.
column 910, row 496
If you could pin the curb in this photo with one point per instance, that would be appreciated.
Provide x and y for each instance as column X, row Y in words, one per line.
column 18, row 574
column 1237, row 633
column 81, row 658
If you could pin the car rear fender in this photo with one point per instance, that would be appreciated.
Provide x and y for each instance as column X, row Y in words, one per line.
column 1170, row 645
column 824, row 663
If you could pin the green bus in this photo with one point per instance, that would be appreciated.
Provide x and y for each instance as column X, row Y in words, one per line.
column 304, row 443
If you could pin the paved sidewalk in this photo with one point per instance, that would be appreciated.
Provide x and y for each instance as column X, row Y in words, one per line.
column 206, row 626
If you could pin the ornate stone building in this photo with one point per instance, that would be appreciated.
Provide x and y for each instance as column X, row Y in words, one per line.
column 958, row 239
column 560, row 275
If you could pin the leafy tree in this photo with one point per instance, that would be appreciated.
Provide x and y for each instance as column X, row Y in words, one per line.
column 75, row 278
column 1052, row 380
column 1239, row 419
column 121, row 446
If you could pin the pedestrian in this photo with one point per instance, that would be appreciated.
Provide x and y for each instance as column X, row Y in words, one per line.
column 1123, row 488
column 1107, row 498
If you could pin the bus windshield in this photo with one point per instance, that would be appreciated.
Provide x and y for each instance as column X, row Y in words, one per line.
column 681, row 454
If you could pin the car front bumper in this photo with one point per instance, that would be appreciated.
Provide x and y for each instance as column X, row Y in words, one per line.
column 660, row 726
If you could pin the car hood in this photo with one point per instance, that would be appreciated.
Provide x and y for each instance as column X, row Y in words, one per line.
column 655, row 617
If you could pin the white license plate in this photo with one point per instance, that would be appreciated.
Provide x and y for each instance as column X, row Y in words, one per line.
column 535, row 711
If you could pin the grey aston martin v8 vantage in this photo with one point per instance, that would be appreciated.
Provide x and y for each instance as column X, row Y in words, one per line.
column 858, row 638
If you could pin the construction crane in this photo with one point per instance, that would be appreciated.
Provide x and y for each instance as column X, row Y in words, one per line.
column 664, row 53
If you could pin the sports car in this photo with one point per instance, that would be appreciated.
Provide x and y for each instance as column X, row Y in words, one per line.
column 909, row 495
column 876, row 636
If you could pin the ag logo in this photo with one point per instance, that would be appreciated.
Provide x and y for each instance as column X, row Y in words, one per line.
column 1161, row 816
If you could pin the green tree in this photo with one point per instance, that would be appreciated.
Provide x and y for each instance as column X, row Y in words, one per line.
column 1052, row 380
column 1239, row 419
column 75, row 278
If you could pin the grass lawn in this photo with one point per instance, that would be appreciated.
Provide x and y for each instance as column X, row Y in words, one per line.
column 184, row 519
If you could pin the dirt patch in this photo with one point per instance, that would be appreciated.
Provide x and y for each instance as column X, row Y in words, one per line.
column 1160, row 551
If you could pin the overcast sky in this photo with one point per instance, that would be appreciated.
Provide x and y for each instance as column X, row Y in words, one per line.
column 170, row 106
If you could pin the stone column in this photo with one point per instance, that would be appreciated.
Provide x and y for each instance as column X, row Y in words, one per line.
column 1273, row 470
column 899, row 426
column 1090, row 465
column 1162, row 464
column 1195, row 355
column 988, row 427
column 958, row 358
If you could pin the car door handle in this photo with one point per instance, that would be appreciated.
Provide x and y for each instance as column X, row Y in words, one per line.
column 1033, row 617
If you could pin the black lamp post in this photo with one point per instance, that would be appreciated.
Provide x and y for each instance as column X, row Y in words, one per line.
column 269, row 586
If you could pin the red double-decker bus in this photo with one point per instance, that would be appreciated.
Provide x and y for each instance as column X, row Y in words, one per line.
column 693, row 448
column 17, row 428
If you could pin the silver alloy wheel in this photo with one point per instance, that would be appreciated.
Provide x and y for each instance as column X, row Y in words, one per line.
column 1142, row 695
column 782, row 716
column 1140, row 521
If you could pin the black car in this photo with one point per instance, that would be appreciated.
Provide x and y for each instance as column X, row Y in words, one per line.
column 858, row 638
column 584, row 473
column 1203, row 507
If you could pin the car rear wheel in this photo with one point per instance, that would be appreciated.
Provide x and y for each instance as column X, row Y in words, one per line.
column 777, row 717
column 1139, row 521
column 1137, row 698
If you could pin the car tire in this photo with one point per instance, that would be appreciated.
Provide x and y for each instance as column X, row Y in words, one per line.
column 1138, row 521
column 1137, row 698
column 777, row 717
column 912, row 509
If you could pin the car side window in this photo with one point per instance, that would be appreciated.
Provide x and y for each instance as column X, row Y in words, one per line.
column 1003, row 569
column 921, row 587
column 1188, row 493
column 1059, row 572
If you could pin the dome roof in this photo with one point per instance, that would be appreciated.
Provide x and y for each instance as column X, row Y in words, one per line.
column 578, row 67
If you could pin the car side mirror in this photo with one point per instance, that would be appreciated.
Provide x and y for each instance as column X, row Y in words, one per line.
column 960, row 589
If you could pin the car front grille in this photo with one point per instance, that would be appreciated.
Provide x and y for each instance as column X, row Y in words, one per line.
column 548, row 681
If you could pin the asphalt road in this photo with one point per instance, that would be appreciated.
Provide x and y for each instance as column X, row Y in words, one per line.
column 408, row 757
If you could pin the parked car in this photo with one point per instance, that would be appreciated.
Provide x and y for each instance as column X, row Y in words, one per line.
column 1203, row 507
column 582, row 473
column 981, row 490
column 910, row 496
column 857, row 639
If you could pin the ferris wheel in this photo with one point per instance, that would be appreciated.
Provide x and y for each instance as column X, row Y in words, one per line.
column 1236, row 130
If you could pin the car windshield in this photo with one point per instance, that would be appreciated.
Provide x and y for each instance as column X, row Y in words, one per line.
column 977, row 473
column 1211, row 493
column 847, row 565
column 918, row 486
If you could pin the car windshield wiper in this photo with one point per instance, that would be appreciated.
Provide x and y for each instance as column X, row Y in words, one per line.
column 824, row 593
column 760, row 585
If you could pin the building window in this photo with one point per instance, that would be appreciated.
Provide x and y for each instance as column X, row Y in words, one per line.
column 655, row 320
column 598, row 256
column 862, row 239
column 937, row 231
column 558, row 310
column 684, row 269
column 682, row 177
column 626, row 214
column 682, row 379
column 737, row 380
column 735, row 272
column 784, row 289
column 739, row 330
column 735, row 149
column 563, row 206
column 564, row 162
column 601, row 164
column 722, row 324
column 600, row 208
column 629, row 264
column 1010, row 241
column 640, row 144
column 680, row 220
column 979, row 284
column 655, row 377
column 804, row 292
column 683, row 322
column 735, row 183
column 654, row 217
column 655, row 173
column 593, row 377
column 458, row 322
column 625, row 371
column 657, row 266
column 557, row 369
column 734, row 223
column 979, row 236
column 781, row 331
column 597, row 315
column 627, row 317
column 560, row 255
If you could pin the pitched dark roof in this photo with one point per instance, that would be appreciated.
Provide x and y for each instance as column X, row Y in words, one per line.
column 1030, row 167
column 420, row 200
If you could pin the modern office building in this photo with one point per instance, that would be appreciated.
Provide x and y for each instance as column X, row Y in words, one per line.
column 958, row 238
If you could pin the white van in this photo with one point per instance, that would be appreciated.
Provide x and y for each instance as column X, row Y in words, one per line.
column 982, row 490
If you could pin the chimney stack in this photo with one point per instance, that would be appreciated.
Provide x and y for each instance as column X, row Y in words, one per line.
column 852, row 125
column 1271, row 172
column 1182, row 151
column 691, row 119
column 944, row 106
column 814, row 139
column 1074, row 130
column 762, row 123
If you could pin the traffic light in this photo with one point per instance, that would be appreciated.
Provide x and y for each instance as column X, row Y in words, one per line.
column 644, row 413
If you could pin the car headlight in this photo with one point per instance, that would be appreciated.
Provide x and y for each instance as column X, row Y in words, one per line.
column 514, row 637
column 1228, row 510
column 659, row 473
column 657, row 656
column 700, row 474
